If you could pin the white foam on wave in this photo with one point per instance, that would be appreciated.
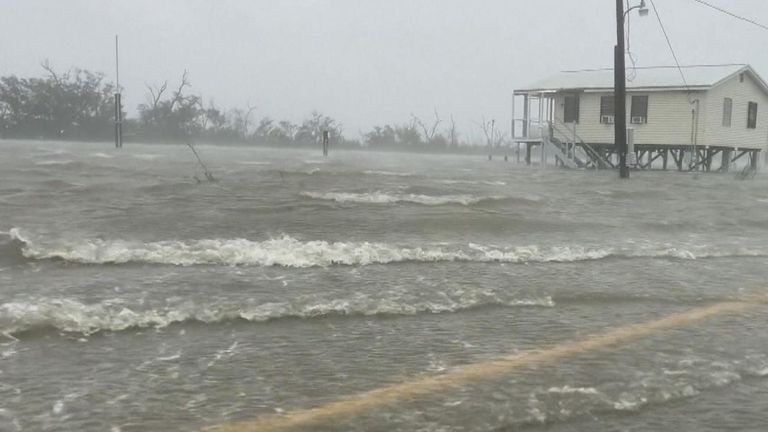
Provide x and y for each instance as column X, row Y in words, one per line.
column 254, row 163
column 394, row 198
column 54, row 162
column 283, row 251
column 74, row 316
column 146, row 156
column 573, row 390
column 8, row 353
column 287, row 251
column 388, row 173
column 635, row 391
column 474, row 182
column 102, row 155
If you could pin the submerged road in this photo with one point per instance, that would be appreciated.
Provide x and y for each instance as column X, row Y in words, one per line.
column 420, row 387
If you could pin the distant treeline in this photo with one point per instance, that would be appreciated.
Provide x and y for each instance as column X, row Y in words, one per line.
column 79, row 105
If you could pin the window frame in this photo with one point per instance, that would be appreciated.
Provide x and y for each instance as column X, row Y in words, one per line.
column 633, row 114
column 603, row 108
column 727, row 112
column 575, row 97
column 751, row 115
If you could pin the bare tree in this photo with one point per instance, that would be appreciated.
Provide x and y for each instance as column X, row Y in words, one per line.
column 452, row 133
column 203, row 118
column 178, row 95
column 156, row 93
column 46, row 65
column 429, row 132
column 488, row 127
column 247, row 119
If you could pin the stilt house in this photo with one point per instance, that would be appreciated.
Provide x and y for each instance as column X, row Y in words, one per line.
column 693, row 118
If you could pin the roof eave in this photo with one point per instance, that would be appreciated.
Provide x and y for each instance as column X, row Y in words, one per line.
column 611, row 89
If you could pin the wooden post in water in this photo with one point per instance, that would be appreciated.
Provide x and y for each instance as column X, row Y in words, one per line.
column 528, row 153
column 725, row 162
column 326, row 141
column 118, row 102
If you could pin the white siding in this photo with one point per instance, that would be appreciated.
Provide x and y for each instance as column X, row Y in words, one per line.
column 589, row 127
column 669, row 118
column 737, row 135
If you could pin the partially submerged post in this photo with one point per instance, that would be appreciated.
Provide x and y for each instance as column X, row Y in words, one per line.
column 326, row 142
column 206, row 172
column 118, row 102
column 489, row 130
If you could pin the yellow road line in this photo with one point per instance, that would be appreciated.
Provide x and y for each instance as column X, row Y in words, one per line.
column 373, row 399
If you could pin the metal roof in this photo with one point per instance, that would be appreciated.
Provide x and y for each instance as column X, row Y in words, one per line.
column 657, row 78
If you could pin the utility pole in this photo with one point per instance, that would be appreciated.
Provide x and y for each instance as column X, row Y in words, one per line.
column 620, row 93
column 118, row 102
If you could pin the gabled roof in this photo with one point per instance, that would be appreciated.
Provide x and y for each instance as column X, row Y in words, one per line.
column 658, row 78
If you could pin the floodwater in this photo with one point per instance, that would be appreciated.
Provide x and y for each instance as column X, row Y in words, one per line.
column 133, row 298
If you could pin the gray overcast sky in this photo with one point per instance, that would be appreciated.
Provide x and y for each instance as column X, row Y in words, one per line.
column 362, row 62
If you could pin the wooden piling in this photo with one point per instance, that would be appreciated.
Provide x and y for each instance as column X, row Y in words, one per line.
column 528, row 153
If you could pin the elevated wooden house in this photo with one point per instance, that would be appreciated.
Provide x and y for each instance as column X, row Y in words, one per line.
column 693, row 118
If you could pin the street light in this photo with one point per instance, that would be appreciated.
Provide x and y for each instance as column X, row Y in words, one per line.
column 642, row 9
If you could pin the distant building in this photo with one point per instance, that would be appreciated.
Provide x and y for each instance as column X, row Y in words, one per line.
column 696, row 115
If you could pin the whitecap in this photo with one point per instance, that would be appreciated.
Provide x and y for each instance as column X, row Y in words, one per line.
column 629, row 402
column 258, row 163
column 54, row 162
column 58, row 407
column 287, row 251
column 8, row 353
column 170, row 357
column 394, row 198
column 146, row 156
column 70, row 315
column 574, row 390
column 473, row 182
column 388, row 173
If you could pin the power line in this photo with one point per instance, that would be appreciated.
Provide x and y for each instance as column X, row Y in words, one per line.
column 669, row 44
column 719, row 9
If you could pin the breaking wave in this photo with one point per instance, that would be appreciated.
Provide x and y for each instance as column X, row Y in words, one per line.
column 388, row 173
column 74, row 316
column 287, row 251
column 474, row 182
column 394, row 198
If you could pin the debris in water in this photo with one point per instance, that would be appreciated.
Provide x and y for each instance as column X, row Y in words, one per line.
column 206, row 172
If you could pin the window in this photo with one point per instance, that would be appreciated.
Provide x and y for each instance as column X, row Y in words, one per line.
column 607, row 109
column 639, row 111
column 571, row 111
column 727, row 111
column 752, row 115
